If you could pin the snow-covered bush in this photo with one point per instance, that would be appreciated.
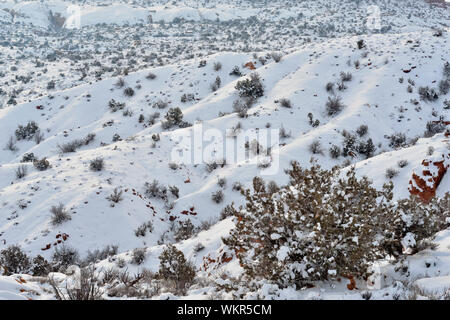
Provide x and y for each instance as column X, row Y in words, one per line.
column 175, row 269
column 59, row 214
column 334, row 105
column 250, row 87
column 27, row 132
column 14, row 260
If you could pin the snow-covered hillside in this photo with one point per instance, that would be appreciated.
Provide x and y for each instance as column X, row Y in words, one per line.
column 91, row 138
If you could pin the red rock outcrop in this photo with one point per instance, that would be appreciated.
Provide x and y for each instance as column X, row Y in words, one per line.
column 426, row 179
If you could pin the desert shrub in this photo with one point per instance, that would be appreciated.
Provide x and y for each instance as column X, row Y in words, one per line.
column 346, row 76
column 444, row 86
column 284, row 134
column 11, row 145
column 138, row 256
column 228, row 211
column 367, row 148
column 222, row 182
column 116, row 196
column 21, row 172
column 341, row 231
column 391, row 173
column 335, row 151
column 184, row 230
column 241, row 107
column 150, row 76
column 276, row 56
column 152, row 118
column 65, row 256
column 141, row 231
column 175, row 191
column 155, row 190
column 397, row 140
column 97, row 164
column 187, row 97
column 100, row 254
column 427, row 94
column 236, row 72
column 217, row 66
column 216, row 84
column 42, row 164
column 213, row 165
column 14, row 260
column 329, row 87
column 362, row 130
column 87, row 287
column 334, row 105
column 129, row 92
column 217, row 196
column 120, row 83
column 115, row 106
column 434, row 127
column 40, row 267
column 250, row 87
column 315, row 147
column 286, row 103
column 72, row 146
column 59, row 214
column 360, row 44
column 446, row 70
column 402, row 163
column 27, row 132
column 173, row 118
column 175, row 268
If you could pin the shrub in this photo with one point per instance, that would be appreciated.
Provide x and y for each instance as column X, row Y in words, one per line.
column 129, row 92
column 286, row 103
column 235, row 71
column 173, row 117
column 115, row 106
column 21, row 172
column 87, row 287
column 433, row 128
column 217, row 66
column 334, row 105
column 276, row 56
column 397, row 140
column 345, row 77
column 427, row 94
column 116, row 196
column 391, row 173
column 184, row 231
column 65, row 256
column 315, row 147
column 11, row 145
column 174, row 268
column 100, row 254
column 150, row 76
column 228, row 211
column 141, row 231
column 402, row 163
column 341, row 232
column 241, row 107
column 40, row 267
column 444, row 86
column 26, row 132
column 362, row 130
column 160, row 104
column 97, row 164
column 59, row 214
column 446, row 70
column 335, row 151
column 13, row 260
column 120, row 83
column 42, row 164
column 250, row 87
column 155, row 190
column 217, row 196
column 360, row 44
column 138, row 256
column 329, row 87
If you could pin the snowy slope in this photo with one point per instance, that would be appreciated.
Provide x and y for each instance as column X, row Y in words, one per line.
column 375, row 97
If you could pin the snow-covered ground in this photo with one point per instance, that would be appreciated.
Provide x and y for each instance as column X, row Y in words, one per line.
column 376, row 96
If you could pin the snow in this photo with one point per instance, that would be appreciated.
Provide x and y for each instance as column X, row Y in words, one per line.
column 374, row 97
